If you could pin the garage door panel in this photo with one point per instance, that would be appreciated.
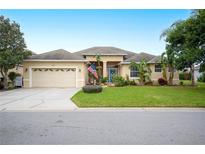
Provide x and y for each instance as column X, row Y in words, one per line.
column 53, row 78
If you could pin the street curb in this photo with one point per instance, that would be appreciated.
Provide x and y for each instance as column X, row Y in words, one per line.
column 113, row 110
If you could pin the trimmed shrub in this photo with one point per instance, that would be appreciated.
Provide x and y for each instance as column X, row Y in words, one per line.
column 132, row 82
column 162, row 81
column 150, row 83
column 92, row 89
column 119, row 81
column 104, row 80
column 201, row 78
column 181, row 83
column 127, row 82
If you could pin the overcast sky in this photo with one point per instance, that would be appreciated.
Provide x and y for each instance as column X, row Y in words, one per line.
column 74, row 30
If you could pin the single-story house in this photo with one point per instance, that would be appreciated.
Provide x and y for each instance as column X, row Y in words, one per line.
column 61, row 68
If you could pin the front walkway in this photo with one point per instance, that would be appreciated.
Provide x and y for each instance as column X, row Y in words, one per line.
column 38, row 99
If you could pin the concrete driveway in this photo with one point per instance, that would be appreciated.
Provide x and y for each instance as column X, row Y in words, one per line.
column 36, row 99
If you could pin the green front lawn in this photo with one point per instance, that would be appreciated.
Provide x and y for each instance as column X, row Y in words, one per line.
column 144, row 96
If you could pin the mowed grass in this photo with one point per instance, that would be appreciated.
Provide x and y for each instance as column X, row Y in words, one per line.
column 144, row 96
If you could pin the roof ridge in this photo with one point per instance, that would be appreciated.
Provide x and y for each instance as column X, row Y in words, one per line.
column 146, row 53
column 59, row 54
column 111, row 50
column 155, row 59
column 139, row 56
column 57, row 50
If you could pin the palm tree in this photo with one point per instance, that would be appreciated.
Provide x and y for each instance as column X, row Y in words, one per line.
column 98, row 68
column 168, row 58
column 164, row 65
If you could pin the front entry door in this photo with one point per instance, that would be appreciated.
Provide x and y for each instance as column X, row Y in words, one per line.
column 111, row 73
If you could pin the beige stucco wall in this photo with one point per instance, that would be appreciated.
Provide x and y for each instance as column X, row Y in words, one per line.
column 106, row 58
column 55, row 64
column 124, row 70
column 156, row 75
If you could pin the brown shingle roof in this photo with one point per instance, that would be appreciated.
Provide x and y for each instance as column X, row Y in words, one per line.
column 62, row 54
column 156, row 59
column 104, row 51
column 139, row 57
column 59, row 54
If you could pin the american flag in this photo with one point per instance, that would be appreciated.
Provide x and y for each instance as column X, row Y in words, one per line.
column 92, row 70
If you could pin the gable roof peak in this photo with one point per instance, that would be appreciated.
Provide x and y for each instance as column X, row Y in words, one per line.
column 59, row 54
column 145, row 53
column 59, row 50
column 103, row 50
column 138, row 57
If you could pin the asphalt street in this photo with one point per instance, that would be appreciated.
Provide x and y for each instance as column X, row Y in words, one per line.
column 103, row 127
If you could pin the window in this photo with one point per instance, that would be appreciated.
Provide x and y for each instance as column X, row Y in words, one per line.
column 158, row 68
column 134, row 72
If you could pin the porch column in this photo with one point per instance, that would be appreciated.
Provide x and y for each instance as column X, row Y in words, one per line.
column 104, row 68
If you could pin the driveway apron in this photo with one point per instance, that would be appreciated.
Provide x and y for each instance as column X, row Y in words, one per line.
column 36, row 99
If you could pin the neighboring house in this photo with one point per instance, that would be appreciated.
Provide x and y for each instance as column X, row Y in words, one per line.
column 61, row 68
column 197, row 74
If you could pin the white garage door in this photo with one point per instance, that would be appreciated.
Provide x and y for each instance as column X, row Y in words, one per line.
column 53, row 77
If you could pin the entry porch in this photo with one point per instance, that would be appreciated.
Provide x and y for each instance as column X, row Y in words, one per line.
column 108, row 69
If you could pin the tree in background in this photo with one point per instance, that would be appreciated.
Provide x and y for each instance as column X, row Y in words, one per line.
column 186, row 39
column 173, row 37
column 188, row 49
column 12, row 47
column 198, row 16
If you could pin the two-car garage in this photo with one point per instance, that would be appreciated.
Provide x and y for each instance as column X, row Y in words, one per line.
column 53, row 77
column 54, row 69
column 54, row 74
